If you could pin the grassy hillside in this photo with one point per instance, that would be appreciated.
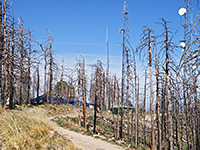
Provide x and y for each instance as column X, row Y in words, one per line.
column 29, row 128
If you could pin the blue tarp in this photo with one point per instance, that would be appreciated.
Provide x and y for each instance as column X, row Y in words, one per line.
column 64, row 101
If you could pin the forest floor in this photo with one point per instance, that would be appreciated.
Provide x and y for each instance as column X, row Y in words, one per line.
column 86, row 142
column 84, row 138
column 67, row 125
column 62, row 130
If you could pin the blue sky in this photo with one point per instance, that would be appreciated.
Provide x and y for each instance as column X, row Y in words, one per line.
column 78, row 27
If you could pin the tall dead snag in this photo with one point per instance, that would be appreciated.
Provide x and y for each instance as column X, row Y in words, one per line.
column 5, row 70
column 197, row 111
column 163, row 111
column 158, row 102
column 29, row 65
column 33, row 85
column 109, row 96
column 95, row 104
column 151, row 92
column 48, row 76
column 11, row 104
column 103, row 91
column 100, row 90
column 107, row 92
column 22, row 63
column 1, row 48
column 44, row 48
column 118, row 109
column 92, row 89
column 84, row 93
column 146, row 41
column 79, row 92
column 178, row 142
column 38, row 83
column 51, row 69
column 170, row 131
column 45, row 51
column 144, row 108
column 113, row 102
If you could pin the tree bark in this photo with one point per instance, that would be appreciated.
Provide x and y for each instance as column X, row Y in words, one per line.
column 1, row 50
column 144, row 109
column 22, row 64
column 45, row 98
column 51, row 70
column 84, row 94
column 11, row 104
column 151, row 94
column 5, row 70
column 38, row 83
column 29, row 65
column 168, row 93
column 158, row 103
column 95, row 105
column 118, row 112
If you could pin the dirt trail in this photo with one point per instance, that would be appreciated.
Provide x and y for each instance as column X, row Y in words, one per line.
column 85, row 142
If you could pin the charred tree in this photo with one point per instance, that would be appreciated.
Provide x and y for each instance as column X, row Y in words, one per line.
column 51, row 70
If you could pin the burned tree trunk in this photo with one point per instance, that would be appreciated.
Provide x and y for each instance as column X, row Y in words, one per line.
column 113, row 102
column 84, row 94
column 22, row 64
column 118, row 110
column 168, row 90
column 197, row 124
column 38, row 83
column 5, row 70
column 95, row 104
column 51, row 70
column 158, row 103
column 11, row 104
column 144, row 109
column 79, row 91
column 151, row 93
column 29, row 66
column 45, row 98
column 1, row 50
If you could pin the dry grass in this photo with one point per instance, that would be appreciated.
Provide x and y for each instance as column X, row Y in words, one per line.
column 29, row 129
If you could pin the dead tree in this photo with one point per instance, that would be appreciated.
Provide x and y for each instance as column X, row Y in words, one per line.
column 151, row 92
column 29, row 65
column 38, row 83
column 96, row 93
column 12, row 57
column 113, row 102
column 5, row 70
column 158, row 101
column 79, row 90
column 144, row 108
column 167, row 41
column 1, row 48
column 118, row 109
column 22, row 52
column 51, row 69
column 146, row 41
column 46, row 54
column 84, row 94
